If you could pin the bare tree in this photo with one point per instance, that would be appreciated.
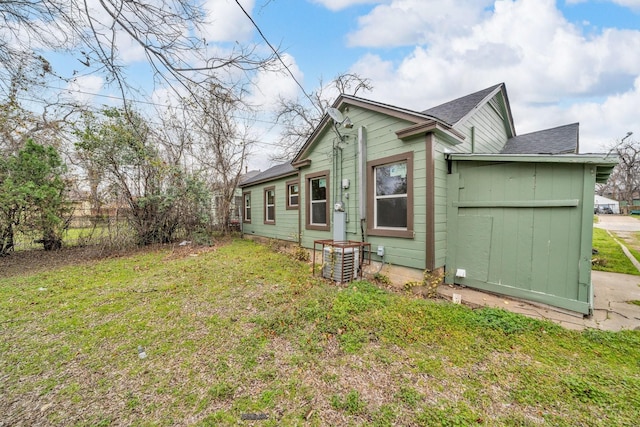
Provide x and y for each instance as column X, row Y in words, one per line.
column 19, row 122
column 300, row 117
column 171, row 33
column 624, row 182
column 222, row 149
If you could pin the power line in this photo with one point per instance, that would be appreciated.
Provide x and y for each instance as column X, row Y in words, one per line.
column 274, row 50
column 135, row 101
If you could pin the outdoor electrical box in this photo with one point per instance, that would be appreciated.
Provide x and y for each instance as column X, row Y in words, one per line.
column 380, row 251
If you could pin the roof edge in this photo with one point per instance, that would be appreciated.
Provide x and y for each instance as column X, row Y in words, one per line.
column 596, row 159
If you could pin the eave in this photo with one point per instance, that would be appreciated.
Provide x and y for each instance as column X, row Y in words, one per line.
column 432, row 126
column 269, row 179
column 604, row 164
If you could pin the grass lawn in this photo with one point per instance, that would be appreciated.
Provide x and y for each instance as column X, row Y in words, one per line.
column 237, row 332
column 610, row 256
column 78, row 237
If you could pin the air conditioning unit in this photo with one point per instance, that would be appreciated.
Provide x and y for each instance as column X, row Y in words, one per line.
column 340, row 264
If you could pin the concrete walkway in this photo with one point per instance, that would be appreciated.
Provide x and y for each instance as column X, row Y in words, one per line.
column 612, row 293
column 612, row 310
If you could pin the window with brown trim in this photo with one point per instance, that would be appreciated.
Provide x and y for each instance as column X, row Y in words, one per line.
column 317, row 201
column 270, row 205
column 246, row 206
column 390, row 195
column 293, row 194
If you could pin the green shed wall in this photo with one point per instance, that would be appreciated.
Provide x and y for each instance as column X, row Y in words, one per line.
column 484, row 132
column 523, row 229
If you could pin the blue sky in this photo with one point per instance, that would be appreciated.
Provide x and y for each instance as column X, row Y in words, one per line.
column 562, row 61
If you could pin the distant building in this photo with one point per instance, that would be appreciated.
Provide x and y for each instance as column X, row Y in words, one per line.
column 603, row 205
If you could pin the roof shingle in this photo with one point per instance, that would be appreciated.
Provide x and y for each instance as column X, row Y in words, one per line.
column 283, row 169
column 451, row 112
column 559, row 140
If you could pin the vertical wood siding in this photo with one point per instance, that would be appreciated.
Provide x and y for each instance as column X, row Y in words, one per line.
column 520, row 230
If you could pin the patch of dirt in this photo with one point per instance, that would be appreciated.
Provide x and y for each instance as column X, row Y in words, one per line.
column 629, row 238
column 38, row 260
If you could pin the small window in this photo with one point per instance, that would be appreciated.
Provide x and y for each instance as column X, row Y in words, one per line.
column 319, row 201
column 317, row 205
column 390, row 188
column 247, row 207
column 293, row 194
column 270, row 205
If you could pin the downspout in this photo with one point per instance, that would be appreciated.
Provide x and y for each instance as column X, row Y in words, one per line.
column 361, row 159
column 300, row 206
column 362, row 181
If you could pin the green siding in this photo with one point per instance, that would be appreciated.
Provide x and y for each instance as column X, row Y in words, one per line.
column 521, row 229
column 286, row 224
column 489, row 131
column 381, row 142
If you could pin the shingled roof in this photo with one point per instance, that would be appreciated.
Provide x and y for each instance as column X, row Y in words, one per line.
column 281, row 170
column 453, row 111
column 559, row 140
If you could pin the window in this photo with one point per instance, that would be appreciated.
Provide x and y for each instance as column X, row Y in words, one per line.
column 247, row 206
column 293, row 194
column 317, row 194
column 390, row 183
column 270, row 205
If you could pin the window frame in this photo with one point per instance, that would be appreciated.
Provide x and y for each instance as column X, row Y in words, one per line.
column 372, row 230
column 288, row 184
column 266, row 205
column 308, row 202
column 246, row 219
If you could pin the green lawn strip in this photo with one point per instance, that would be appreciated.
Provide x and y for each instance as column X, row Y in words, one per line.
column 634, row 244
column 610, row 256
column 241, row 332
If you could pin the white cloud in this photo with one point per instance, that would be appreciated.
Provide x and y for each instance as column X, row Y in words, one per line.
column 415, row 22
column 227, row 22
column 83, row 89
column 268, row 87
column 632, row 4
column 336, row 5
column 554, row 73
column 603, row 123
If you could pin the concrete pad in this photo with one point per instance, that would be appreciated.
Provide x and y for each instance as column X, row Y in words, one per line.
column 613, row 293
column 612, row 310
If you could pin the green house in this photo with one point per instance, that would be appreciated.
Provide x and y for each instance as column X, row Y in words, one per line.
column 451, row 188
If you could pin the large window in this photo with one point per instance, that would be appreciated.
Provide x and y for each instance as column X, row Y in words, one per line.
column 270, row 205
column 293, row 194
column 247, row 206
column 390, row 183
column 317, row 196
